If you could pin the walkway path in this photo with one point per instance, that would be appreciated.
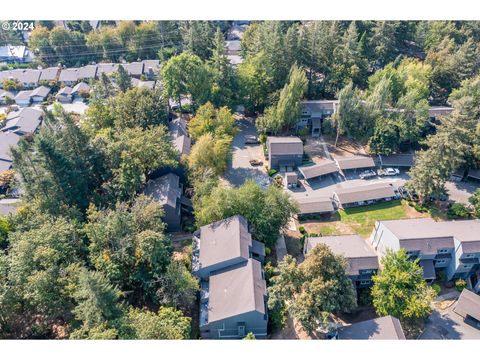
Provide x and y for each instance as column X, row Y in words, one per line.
column 280, row 248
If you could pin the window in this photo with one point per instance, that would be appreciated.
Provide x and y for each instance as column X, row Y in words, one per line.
column 470, row 255
column 443, row 251
column 467, row 266
column 364, row 282
column 442, row 261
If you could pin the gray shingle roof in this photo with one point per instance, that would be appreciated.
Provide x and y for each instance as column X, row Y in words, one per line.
column 314, row 204
column 355, row 162
column 148, row 65
column 7, row 140
column 165, row 189
column 468, row 304
column 427, row 235
column 70, row 75
column 81, row 86
column 407, row 160
column 321, row 168
column 224, row 240
column 29, row 76
column 42, row 91
column 364, row 193
column 288, row 145
column 23, row 95
column 49, row 74
column 143, row 84
column 237, row 291
column 26, row 120
column 67, row 90
column 87, row 72
column 383, row 328
column 106, row 68
column 134, row 68
column 320, row 105
column 359, row 255
column 182, row 144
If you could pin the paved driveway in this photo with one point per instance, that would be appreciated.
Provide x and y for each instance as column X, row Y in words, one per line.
column 445, row 324
column 239, row 170
column 460, row 191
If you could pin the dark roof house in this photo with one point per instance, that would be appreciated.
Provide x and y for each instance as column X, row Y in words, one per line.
column 284, row 152
column 314, row 205
column 25, row 121
column 355, row 162
column 383, row 328
column 363, row 194
column 321, row 168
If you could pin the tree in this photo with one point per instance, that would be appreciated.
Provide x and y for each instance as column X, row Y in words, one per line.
column 250, row 336
column 475, row 201
column 314, row 289
column 97, row 305
column 128, row 245
column 210, row 155
column 123, row 80
column 219, row 122
column 267, row 211
column 286, row 113
column 399, row 289
column 186, row 74
column 5, row 228
column 197, row 37
column 458, row 211
column 255, row 81
column 166, row 324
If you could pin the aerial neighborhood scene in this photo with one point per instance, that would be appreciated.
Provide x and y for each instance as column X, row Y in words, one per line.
column 240, row 180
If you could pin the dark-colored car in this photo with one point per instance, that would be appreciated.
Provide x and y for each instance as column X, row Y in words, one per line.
column 251, row 140
column 256, row 163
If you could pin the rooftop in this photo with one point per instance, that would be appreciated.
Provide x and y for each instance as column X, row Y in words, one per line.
column 314, row 204
column 237, row 291
column 383, row 328
column 358, row 253
column 364, row 193
column 224, row 240
column 468, row 304
column 7, row 140
column 321, row 168
column 287, row 145
column 355, row 162
column 165, row 189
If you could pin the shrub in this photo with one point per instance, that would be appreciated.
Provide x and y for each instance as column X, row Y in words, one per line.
column 302, row 241
column 441, row 276
column 262, row 138
column 271, row 172
column 269, row 270
column 277, row 319
column 458, row 211
column 460, row 284
column 268, row 251
column 436, row 288
column 302, row 230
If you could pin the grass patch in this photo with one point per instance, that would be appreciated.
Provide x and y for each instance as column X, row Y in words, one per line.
column 362, row 219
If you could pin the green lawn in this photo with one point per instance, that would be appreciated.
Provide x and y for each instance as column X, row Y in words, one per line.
column 362, row 219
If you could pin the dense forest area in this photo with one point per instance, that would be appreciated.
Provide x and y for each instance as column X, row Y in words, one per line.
column 87, row 256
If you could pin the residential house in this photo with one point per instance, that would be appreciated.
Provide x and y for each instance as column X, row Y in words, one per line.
column 452, row 247
column 233, row 303
column 4, row 95
column 23, row 98
column 15, row 54
column 324, row 167
column 362, row 261
column 106, row 68
column 284, row 153
column 383, row 328
column 350, row 163
column 79, row 89
column 134, row 69
column 7, row 140
column 39, row 94
column 397, row 160
column 167, row 190
column 23, row 122
column 29, row 78
column 233, row 290
column 313, row 112
column 151, row 68
column 49, row 74
column 68, row 77
column 364, row 194
column 147, row 84
column 468, row 306
column 64, row 95
column 314, row 205
column 224, row 244
column 179, row 135
column 87, row 73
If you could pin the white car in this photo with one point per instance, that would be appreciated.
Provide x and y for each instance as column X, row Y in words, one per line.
column 367, row 174
column 389, row 172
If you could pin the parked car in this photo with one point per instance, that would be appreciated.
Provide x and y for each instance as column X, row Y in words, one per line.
column 367, row 174
column 403, row 193
column 388, row 172
column 251, row 140
column 256, row 162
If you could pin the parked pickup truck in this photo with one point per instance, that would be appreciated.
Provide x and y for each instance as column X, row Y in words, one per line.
column 388, row 172
column 367, row 174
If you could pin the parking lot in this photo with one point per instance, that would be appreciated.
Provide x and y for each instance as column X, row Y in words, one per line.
column 239, row 170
